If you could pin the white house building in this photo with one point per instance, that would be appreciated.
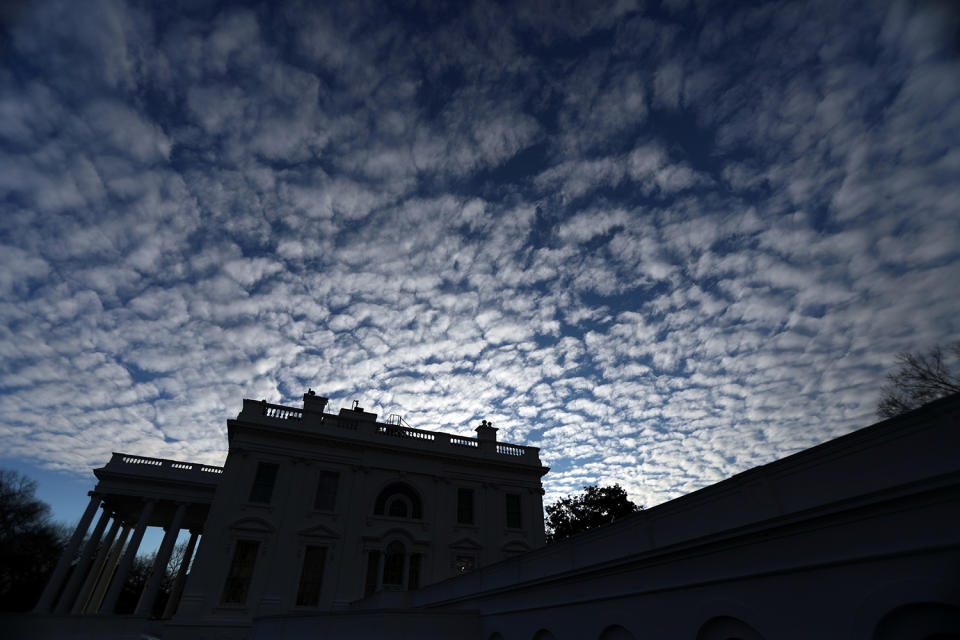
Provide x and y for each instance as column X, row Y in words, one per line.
column 310, row 512
column 340, row 526
column 316, row 510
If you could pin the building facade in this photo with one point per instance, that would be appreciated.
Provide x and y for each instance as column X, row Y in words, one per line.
column 316, row 510
column 311, row 511
column 341, row 526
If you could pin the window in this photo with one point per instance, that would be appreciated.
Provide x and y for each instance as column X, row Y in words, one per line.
column 413, row 577
column 513, row 511
column 311, row 576
column 385, row 502
column 465, row 506
column 262, row 489
column 398, row 507
column 326, row 499
column 393, row 563
column 373, row 567
column 241, row 572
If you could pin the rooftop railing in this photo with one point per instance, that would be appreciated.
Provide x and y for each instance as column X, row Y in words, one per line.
column 405, row 432
column 282, row 412
column 123, row 461
column 394, row 430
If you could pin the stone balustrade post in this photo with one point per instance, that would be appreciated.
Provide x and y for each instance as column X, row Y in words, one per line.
column 80, row 605
column 65, row 604
column 123, row 569
column 160, row 564
column 45, row 603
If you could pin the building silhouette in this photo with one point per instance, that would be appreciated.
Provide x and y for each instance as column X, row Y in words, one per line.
column 342, row 526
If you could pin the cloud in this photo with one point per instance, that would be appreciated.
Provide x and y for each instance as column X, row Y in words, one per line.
column 664, row 247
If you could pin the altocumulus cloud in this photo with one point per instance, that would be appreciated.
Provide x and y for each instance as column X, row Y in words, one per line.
column 666, row 241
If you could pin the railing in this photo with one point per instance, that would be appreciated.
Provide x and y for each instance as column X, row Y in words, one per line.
column 282, row 412
column 394, row 426
column 405, row 432
column 138, row 460
column 511, row 449
column 460, row 441
column 397, row 419
column 162, row 463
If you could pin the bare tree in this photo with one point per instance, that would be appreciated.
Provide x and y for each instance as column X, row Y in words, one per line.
column 920, row 378
column 29, row 542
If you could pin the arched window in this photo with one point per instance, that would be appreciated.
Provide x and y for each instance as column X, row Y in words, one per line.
column 727, row 628
column 398, row 506
column 393, row 563
column 616, row 632
column 398, row 500
column 393, row 568
column 927, row 620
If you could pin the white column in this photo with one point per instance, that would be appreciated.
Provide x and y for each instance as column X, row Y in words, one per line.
column 123, row 569
column 160, row 565
column 45, row 603
column 65, row 604
column 174, row 600
column 109, row 569
column 97, row 569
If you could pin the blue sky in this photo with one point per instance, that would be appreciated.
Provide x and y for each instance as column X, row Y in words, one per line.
column 664, row 241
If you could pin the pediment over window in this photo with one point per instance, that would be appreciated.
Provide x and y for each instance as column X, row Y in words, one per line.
column 252, row 525
column 318, row 531
column 466, row 544
column 515, row 547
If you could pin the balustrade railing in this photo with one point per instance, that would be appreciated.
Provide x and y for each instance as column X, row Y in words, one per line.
column 511, row 449
column 393, row 426
column 162, row 463
column 282, row 412
column 405, row 432
column 460, row 441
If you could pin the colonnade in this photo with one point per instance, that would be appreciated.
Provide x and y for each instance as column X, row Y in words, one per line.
column 103, row 565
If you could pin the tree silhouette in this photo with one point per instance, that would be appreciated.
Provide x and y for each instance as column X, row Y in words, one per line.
column 30, row 543
column 592, row 508
column 920, row 378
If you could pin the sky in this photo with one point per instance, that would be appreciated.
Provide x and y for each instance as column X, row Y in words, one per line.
column 665, row 242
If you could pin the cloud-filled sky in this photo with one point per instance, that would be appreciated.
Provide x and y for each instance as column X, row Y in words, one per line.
column 664, row 241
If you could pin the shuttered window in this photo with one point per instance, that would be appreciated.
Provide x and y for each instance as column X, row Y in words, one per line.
column 326, row 499
column 513, row 511
column 311, row 576
column 241, row 572
column 465, row 506
column 262, row 489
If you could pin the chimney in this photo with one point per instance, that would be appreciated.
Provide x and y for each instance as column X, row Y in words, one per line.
column 357, row 413
column 486, row 431
column 312, row 403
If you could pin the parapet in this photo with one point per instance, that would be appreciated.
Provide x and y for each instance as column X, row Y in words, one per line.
column 357, row 424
